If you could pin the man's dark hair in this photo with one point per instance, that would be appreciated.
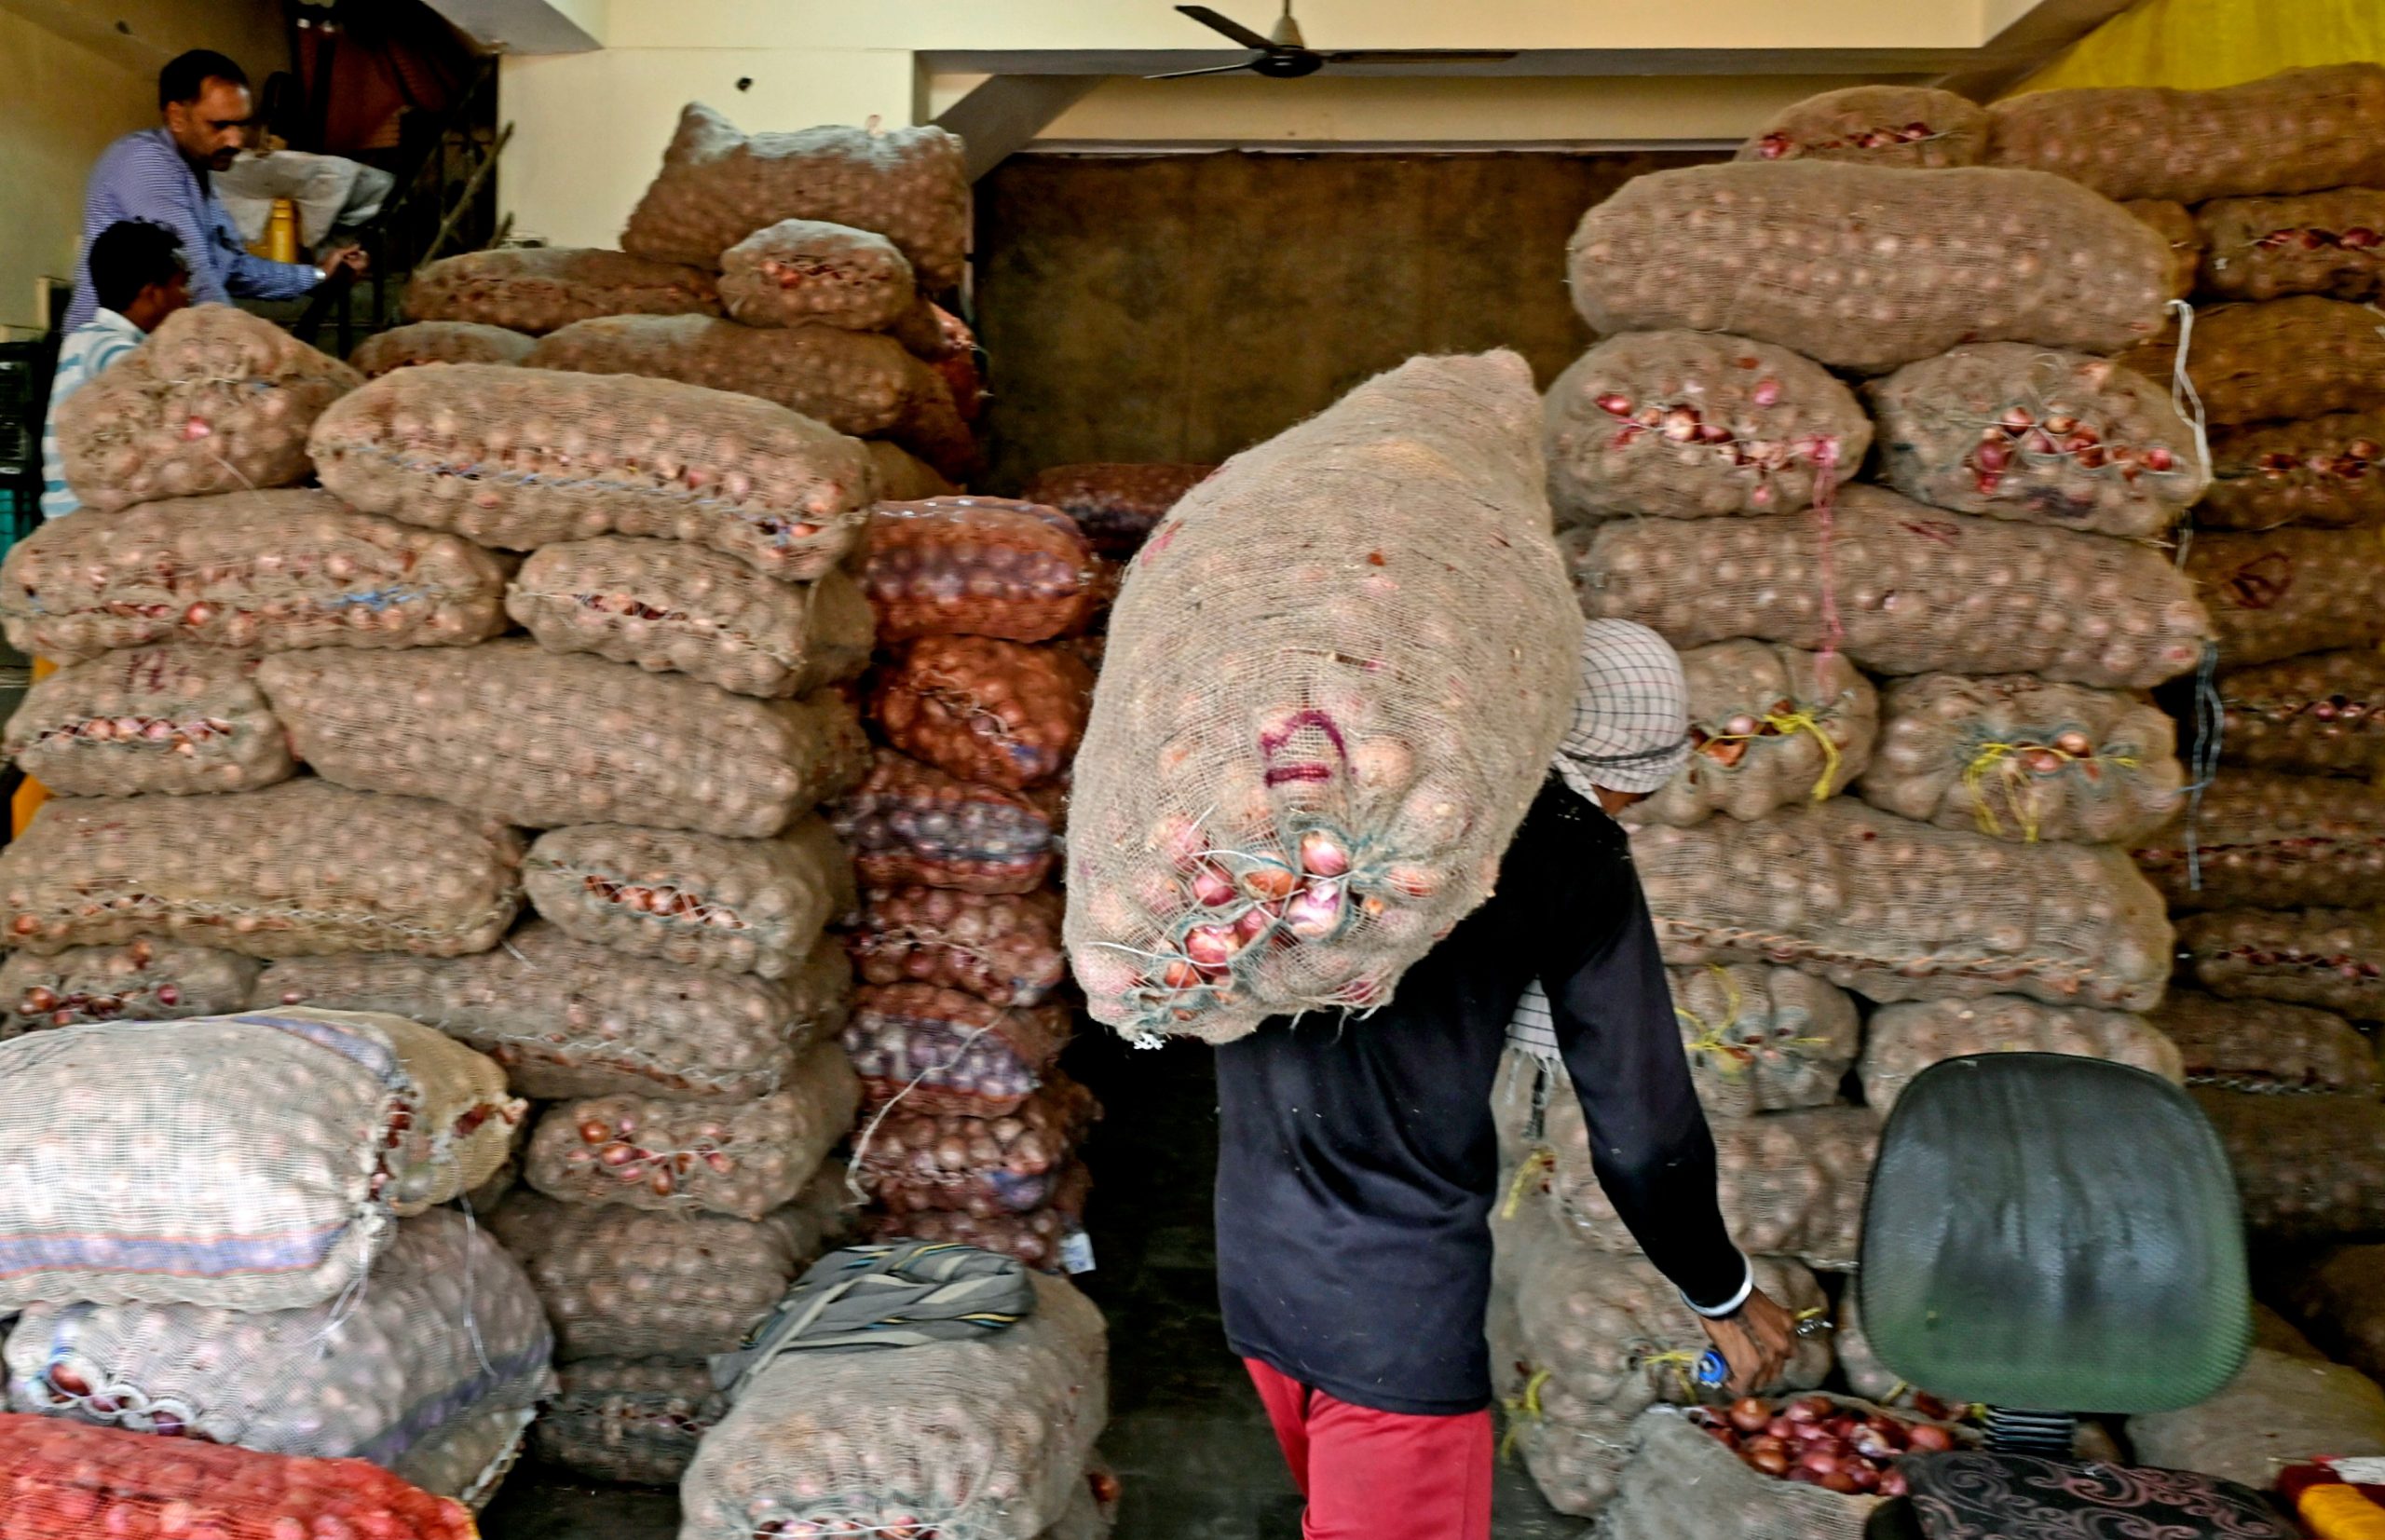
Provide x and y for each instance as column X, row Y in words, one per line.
column 186, row 74
column 128, row 256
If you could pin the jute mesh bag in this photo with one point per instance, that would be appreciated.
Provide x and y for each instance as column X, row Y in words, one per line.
column 985, row 1437
column 2279, row 592
column 2330, row 243
column 1903, row 589
column 1901, row 1041
column 2325, row 470
column 912, row 1161
column 447, row 1331
column 738, row 905
column 802, row 270
column 293, row 870
column 1373, row 575
column 743, row 1159
column 2262, row 1046
column 247, row 571
column 2294, row 132
column 636, row 1420
column 2306, row 1166
column 1913, row 126
column 1002, row 948
column 141, row 980
column 548, row 740
column 1761, row 1039
column 539, row 289
column 2175, row 222
column 1688, row 425
column 522, row 458
column 669, row 606
column 1866, row 268
column 2329, row 958
column 625, row 1283
column 718, row 186
column 165, row 719
column 1895, row 910
column 1115, row 505
column 215, row 401
column 1771, row 726
column 568, row 1018
column 911, row 823
column 998, row 712
column 976, row 566
column 2023, row 432
column 2324, row 711
column 299, row 1137
column 2301, row 356
column 2013, row 756
column 2260, row 839
column 2279, row 1411
column 854, row 382
column 2338, row 1296
column 437, row 342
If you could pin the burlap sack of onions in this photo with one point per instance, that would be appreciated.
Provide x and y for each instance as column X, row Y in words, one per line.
column 637, row 1420
column 424, row 342
column 1901, row 1041
column 2330, row 243
column 172, row 720
column 2259, row 838
column 2325, row 470
column 2175, row 222
column 2259, row 1044
column 2281, row 593
column 538, row 289
column 2307, row 1167
column 996, row 712
column 141, row 980
column 904, row 477
column 1771, row 726
column 806, row 270
column 1913, row 126
column 2323, row 711
column 1763, row 1039
column 2300, row 357
column 2329, row 958
column 854, row 382
column 1002, row 948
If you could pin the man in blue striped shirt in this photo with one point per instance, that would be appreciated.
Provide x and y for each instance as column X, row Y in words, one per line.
column 163, row 174
column 137, row 271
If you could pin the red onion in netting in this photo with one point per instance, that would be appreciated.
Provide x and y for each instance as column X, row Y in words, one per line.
column 2301, row 356
column 976, row 567
column 144, row 979
column 2330, row 243
column 931, row 1049
column 2323, row 711
column 1002, row 947
column 1909, row 126
column 150, row 720
column 2323, row 470
column 2260, row 839
column 1001, row 713
column 909, row 823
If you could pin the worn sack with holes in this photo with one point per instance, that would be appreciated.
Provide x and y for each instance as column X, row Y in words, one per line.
column 1896, row 909
column 2279, row 592
column 2260, row 1044
column 2325, row 470
column 937, row 1050
column 667, row 606
column 911, row 823
column 854, row 382
column 1761, row 1039
column 2300, row 357
column 2329, row 958
column 1002, row 714
column 1868, row 266
column 448, row 1331
column 520, row 458
column 801, row 271
column 2306, row 1166
column 2013, row 756
column 215, row 400
column 2324, row 711
column 437, row 342
column 291, row 870
column 2021, row 432
column 1689, row 425
column 168, row 719
column 1914, row 126
column 1904, row 589
column 976, row 567
column 984, row 1166
column 1116, row 505
column 637, row 1420
column 141, row 980
column 2260, row 839
column 1769, row 725
column 2330, row 243
column 539, row 289
column 249, row 571
column 1002, row 947
column 1901, row 1041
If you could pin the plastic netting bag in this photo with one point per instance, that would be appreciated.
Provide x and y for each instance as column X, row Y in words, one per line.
column 548, row 740
column 902, row 476
column 2257, row 838
column 2324, row 711
column 437, row 342
column 2290, row 132
column 2279, row 592
column 2325, row 470
column 743, row 1159
column 1769, row 725
column 801, row 271
column 976, row 566
column 2301, row 356
column 626, row 1283
column 2013, row 756
column 539, row 289
column 636, row 1420
column 1901, row 1041
column 2329, row 958
column 718, row 186
column 141, row 980
column 1904, row 589
column 1868, row 266
column 1116, row 505
column 669, row 606
column 298, row 868
column 250, row 1161
column 2021, row 432
column 986, row 1437
column 934, row 1050
column 251, row 571
column 520, row 458
column 2338, row 1294
column 739, row 906
column 2306, row 1166
column 67, row 1481
column 1003, row 714
column 1323, row 747
column 447, row 1331
column 1761, row 1039
column 854, row 382
column 2330, row 243
column 215, row 400
column 150, row 720
column 909, row 823
column 2175, row 222
column 1040, row 1236
column 2261, row 1045
column 1909, row 126
column 1688, row 425
column 569, row 1018
column 1002, row 947
column 1899, row 910
column 2278, row 1412
column 985, row 1166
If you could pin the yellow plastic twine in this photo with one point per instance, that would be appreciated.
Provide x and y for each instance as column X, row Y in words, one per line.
column 1783, row 724
column 1710, row 1039
column 1542, row 1159
column 1996, row 758
column 1522, row 1409
column 1679, row 1361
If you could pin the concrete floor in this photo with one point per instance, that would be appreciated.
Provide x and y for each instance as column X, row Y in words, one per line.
column 1186, row 1435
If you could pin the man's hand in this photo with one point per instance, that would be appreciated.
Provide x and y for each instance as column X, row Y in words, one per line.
column 347, row 259
column 1755, row 1340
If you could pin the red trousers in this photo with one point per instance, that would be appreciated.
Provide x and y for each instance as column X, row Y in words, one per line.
column 1372, row 1475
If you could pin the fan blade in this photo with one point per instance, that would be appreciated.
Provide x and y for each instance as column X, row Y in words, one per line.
column 1418, row 56
column 1187, row 74
column 1228, row 25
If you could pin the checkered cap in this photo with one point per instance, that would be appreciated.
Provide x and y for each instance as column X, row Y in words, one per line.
column 1630, row 729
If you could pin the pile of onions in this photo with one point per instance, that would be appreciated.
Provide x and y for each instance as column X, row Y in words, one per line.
column 1002, row 947
column 1002, row 713
column 141, row 980
column 1821, row 1443
column 941, row 1051
column 976, row 567
column 909, row 823
column 2326, row 471
column 2330, row 243
column 984, row 1166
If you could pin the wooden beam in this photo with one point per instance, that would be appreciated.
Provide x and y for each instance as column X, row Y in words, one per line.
column 1003, row 116
column 2028, row 46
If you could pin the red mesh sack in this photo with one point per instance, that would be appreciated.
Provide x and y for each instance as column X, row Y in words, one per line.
column 437, row 342
column 1914, row 126
column 854, row 382
column 801, row 271
column 2330, row 243
column 543, row 288
column 910, row 823
column 2175, row 222
column 141, row 980
column 1035, row 1237
column 1115, row 505
column 2325, row 470
column 151, row 719
column 2284, row 592
column 1002, row 948
column 2321, row 712
column 2301, row 356
column 2263, row 840
column 984, row 1166
column 932, row 1050
column 1002, row 713
column 976, row 567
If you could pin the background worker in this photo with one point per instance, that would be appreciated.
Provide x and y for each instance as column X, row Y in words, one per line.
column 138, row 278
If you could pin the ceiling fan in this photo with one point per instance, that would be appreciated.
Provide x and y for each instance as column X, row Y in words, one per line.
column 1285, row 54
